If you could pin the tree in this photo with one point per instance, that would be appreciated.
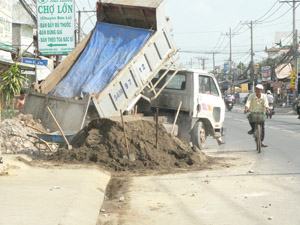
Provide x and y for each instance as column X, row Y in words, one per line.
column 11, row 82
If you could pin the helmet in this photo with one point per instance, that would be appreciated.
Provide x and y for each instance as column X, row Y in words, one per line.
column 259, row 86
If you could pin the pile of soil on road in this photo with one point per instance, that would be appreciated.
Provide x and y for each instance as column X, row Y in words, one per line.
column 103, row 142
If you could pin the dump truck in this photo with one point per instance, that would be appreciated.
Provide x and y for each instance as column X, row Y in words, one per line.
column 110, row 68
column 129, row 56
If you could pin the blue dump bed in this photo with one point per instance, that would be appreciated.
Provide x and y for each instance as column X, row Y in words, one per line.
column 110, row 48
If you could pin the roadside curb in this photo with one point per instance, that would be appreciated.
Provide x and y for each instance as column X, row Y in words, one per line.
column 74, row 193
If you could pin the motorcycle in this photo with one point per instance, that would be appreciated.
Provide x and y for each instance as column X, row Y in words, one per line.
column 229, row 102
column 229, row 105
column 298, row 109
column 271, row 111
column 296, row 106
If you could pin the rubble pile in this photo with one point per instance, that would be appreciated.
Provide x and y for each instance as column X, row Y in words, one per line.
column 103, row 142
column 15, row 134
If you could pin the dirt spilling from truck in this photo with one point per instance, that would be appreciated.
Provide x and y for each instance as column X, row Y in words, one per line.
column 103, row 142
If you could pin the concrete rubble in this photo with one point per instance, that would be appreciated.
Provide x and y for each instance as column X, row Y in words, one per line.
column 17, row 135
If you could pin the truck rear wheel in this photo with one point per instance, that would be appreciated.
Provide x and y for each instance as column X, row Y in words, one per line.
column 199, row 135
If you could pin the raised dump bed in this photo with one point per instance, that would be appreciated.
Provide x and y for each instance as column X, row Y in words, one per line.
column 129, row 45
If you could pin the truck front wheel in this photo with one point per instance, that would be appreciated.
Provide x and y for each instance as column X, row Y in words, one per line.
column 199, row 135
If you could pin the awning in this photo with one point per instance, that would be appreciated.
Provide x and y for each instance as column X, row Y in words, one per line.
column 7, row 47
column 283, row 71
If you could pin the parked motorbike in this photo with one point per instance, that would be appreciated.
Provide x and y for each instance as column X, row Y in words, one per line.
column 271, row 111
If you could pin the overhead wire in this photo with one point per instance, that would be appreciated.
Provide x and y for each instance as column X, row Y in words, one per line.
column 269, row 16
column 79, row 28
column 277, row 18
column 268, row 11
column 89, row 18
column 219, row 42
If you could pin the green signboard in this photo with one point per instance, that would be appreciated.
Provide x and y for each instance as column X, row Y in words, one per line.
column 56, row 26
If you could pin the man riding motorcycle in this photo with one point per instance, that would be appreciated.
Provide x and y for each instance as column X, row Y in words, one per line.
column 271, row 104
column 257, row 103
column 297, row 106
column 229, row 101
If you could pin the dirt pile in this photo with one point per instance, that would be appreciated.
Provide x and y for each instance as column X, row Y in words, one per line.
column 15, row 134
column 102, row 142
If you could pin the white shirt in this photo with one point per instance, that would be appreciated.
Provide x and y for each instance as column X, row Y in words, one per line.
column 270, row 98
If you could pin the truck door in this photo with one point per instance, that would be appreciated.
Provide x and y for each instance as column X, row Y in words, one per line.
column 209, row 101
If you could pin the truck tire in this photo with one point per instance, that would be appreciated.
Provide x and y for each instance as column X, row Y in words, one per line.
column 199, row 135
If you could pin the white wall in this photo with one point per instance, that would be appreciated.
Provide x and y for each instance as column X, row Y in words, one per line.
column 6, row 22
column 20, row 15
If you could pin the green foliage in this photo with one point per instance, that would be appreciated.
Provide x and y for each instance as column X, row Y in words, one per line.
column 11, row 82
column 241, row 66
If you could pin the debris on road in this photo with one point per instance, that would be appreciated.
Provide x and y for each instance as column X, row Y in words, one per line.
column 102, row 142
column 16, row 134
column 122, row 199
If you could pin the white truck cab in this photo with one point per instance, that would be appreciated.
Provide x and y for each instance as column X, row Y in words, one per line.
column 202, row 111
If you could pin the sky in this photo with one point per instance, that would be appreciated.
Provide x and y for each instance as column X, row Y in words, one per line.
column 202, row 25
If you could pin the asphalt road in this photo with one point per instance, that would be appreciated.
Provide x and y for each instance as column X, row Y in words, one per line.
column 282, row 137
column 259, row 189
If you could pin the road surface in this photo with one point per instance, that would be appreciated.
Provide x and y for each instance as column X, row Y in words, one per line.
column 260, row 189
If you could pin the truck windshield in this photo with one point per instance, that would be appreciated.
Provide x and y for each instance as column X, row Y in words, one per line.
column 207, row 86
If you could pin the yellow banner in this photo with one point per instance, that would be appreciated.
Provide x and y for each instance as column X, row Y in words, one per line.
column 244, row 88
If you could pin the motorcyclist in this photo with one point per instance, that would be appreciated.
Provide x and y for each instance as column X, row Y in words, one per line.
column 271, row 103
column 229, row 99
column 298, row 106
column 257, row 102
column 270, row 97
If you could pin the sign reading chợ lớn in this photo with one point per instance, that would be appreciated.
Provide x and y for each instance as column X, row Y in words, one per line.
column 55, row 26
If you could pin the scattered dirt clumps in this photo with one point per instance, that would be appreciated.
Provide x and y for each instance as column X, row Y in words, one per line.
column 103, row 142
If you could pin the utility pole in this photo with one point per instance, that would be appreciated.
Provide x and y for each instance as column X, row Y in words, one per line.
column 79, row 22
column 252, row 56
column 202, row 59
column 230, row 56
column 252, row 76
column 293, row 4
column 214, row 63
column 79, row 26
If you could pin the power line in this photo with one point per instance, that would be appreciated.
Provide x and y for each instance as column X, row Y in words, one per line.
column 90, row 5
column 272, row 14
column 271, row 25
column 220, row 41
column 277, row 18
column 277, row 1
column 84, row 9
column 222, row 53
column 201, row 32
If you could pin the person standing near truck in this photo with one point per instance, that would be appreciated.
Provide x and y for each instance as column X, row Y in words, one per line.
column 21, row 101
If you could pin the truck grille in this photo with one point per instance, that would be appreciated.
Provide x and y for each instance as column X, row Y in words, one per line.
column 217, row 114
